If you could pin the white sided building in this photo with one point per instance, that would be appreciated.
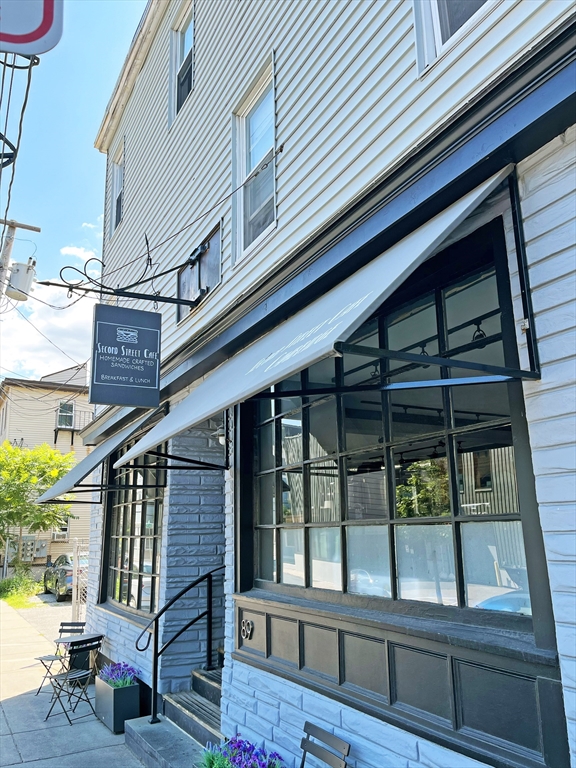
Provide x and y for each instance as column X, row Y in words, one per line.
column 363, row 462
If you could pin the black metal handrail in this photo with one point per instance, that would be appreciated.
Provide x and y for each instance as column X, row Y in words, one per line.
column 153, row 633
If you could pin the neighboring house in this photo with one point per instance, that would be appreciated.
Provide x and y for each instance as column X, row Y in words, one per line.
column 51, row 410
column 354, row 193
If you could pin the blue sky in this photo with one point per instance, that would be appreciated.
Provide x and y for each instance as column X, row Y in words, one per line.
column 59, row 176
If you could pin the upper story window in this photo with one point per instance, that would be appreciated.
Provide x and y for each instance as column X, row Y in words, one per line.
column 66, row 416
column 438, row 22
column 184, row 45
column 256, row 204
column 201, row 274
column 117, row 197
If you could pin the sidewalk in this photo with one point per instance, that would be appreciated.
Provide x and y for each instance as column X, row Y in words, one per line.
column 25, row 737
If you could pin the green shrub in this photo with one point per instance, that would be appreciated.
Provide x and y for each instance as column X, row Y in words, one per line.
column 21, row 584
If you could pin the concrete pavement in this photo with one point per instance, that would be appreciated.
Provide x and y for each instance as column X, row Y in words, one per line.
column 25, row 737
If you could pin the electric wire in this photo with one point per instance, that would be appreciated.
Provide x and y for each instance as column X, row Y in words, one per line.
column 46, row 337
column 33, row 62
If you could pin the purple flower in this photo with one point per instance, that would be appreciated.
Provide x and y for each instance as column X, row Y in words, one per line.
column 239, row 753
column 119, row 675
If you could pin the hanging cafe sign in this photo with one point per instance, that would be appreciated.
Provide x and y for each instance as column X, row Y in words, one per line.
column 125, row 357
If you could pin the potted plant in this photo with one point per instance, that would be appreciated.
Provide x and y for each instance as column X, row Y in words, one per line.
column 237, row 753
column 117, row 695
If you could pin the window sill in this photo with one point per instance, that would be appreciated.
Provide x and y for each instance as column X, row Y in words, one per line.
column 139, row 620
column 511, row 643
column 254, row 248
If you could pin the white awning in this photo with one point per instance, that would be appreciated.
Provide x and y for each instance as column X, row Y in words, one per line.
column 88, row 464
column 310, row 334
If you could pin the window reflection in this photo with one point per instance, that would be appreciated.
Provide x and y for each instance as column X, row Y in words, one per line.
column 323, row 435
column 422, row 487
column 293, row 496
column 266, row 499
column 362, row 420
column 291, row 437
column 495, row 567
column 266, row 554
column 425, row 561
column 487, row 472
column 366, row 486
column 324, row 492
column 325, row 558
column 368, row 560
column 292, row 553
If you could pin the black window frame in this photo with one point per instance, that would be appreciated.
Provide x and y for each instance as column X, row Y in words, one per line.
column 123, row 581
column 192, row 281
column 528, row 513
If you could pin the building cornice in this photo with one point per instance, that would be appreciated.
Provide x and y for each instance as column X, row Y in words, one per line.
column 151, row 19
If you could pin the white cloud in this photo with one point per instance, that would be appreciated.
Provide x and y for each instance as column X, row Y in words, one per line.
column 78, row 251
column 86, row 225
column 26, row 352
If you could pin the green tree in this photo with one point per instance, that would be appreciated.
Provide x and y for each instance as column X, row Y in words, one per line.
column 25, row 474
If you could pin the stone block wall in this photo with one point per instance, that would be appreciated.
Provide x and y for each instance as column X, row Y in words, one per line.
column 192, row 544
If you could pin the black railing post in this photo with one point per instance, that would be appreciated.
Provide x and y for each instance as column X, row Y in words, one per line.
column 154, row 718
column 209, row 622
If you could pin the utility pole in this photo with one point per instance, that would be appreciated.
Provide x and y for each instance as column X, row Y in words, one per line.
column 11, row 227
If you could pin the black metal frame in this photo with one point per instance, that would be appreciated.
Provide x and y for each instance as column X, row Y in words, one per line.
column 512, row 375
column 153, row 634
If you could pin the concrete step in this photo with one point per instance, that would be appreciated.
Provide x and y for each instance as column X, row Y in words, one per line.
column 162, row 745
column 208, row 684
column 196, row 716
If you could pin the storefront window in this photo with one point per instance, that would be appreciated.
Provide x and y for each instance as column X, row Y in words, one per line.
column 135, row 532
column 406, row 493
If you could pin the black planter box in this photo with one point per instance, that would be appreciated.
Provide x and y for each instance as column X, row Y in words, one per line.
column 115, row 705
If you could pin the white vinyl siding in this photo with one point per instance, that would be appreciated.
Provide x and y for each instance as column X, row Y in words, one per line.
column 348, row 108
column 547, row 189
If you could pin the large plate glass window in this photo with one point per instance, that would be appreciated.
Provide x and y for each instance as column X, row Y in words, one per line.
column 406, row 494
column 135, row 531
column 256, row 164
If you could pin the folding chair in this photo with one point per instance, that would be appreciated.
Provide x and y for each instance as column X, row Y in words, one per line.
column 334, row 759
column 71, row 686
column 49, row 659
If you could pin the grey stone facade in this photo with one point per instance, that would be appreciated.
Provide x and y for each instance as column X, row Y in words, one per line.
column 192, row 544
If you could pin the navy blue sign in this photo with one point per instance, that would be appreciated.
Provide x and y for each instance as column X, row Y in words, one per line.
column 125, row 357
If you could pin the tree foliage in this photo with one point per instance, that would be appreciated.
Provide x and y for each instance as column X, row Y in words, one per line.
column 25, row 474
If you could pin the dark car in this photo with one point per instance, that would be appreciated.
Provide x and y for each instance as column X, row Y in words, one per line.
column 58, row 575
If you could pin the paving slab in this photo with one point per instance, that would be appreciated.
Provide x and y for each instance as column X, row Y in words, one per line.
column 27, row 738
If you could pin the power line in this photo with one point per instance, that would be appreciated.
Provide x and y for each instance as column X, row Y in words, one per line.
column 46, row 337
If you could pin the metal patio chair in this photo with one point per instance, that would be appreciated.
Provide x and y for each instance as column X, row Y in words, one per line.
column 49, row 659
column 70, row 687
column 336, row 759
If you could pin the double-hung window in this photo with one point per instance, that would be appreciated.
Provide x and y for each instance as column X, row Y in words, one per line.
column 66, row 416
column 117, row 193
column 256, row 202
column 201, row 274
column 439, row 22
column 184, row 45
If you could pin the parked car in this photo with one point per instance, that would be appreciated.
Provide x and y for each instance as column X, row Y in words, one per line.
column 58, row 575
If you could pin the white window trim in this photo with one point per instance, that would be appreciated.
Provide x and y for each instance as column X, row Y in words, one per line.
column 429, row 46
column 117, row 187
column 265, row 80
column 60, row 413
column 185, row 16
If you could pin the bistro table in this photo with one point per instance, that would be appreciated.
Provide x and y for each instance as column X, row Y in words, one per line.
column 81, row 662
